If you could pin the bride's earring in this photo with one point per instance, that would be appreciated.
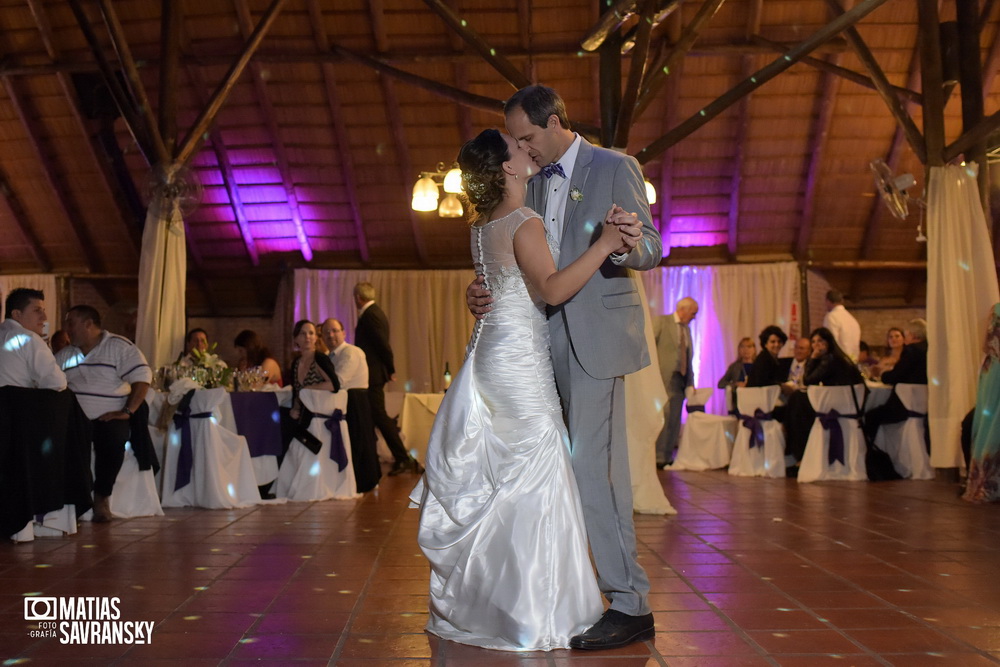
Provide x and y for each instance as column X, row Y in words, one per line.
column 515, row 177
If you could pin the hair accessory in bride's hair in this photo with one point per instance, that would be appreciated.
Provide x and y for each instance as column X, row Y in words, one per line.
column 473, row 185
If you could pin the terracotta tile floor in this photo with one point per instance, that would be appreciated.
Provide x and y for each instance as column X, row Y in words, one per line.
column 750, row 572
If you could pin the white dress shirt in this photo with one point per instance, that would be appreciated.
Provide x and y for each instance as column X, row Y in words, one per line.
column 351, row 365
column 557, row 192
column 102, row 380
column 845, row 329
column 25, row 359
column 797, row 373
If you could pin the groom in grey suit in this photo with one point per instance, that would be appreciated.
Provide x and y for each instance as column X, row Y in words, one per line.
column 596, row 336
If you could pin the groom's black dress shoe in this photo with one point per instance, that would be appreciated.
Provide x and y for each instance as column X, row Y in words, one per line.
column 615, row 629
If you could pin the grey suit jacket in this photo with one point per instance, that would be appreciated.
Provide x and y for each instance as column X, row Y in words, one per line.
column 604, row 319
column 668, row 348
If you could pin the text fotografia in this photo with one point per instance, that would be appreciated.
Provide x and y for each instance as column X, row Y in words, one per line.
column 84, row 620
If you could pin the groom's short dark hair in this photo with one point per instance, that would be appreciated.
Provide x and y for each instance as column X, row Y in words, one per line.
column 539, row 102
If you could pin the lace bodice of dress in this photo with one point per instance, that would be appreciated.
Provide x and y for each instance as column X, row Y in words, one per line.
column 493, row 254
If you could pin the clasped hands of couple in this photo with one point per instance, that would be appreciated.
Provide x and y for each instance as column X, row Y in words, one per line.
column 619, row 225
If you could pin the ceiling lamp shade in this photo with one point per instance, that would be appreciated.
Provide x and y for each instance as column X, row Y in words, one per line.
column 650, row 192
column 451, row 207
column 425, row 195
column 453, row 181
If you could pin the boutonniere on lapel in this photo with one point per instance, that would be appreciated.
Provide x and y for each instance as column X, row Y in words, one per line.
column 575, row 194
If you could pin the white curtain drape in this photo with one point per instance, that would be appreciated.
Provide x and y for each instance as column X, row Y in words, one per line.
column 429, row 323
column 734, row 301
column 41, row 281
column 162, row 284
column 961, row 291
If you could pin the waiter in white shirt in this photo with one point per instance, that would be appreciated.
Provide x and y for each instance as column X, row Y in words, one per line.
column 351, row 365
column 25, row 359
column 110, row 377
column 845, row 329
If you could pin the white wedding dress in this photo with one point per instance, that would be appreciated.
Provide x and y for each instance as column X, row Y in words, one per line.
column 501, row 521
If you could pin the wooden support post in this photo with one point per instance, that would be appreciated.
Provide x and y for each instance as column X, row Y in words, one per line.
column 742, row 134
column 507, row 70
column 170, row 53
column 971, row 81
column 610, row 87
column 932, row 81
column 762, row 76
column 207, row 116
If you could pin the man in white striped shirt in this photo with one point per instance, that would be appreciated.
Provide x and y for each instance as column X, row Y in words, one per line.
column 110, row 377
column 25, row 359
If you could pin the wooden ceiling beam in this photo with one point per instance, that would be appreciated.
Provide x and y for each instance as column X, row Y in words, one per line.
column 882, row 85
column 207, row 116
column 978, row 132
column 657, row 73
column 138, row 90
column 226, row 169
column 29, row 118
column 670, row 95
column 397, row 130
column 490, row 54
column 14, row 67
column 340, row 131
column 125, row 104
column 759, row 78
column 23, row 223
column 465, row 98
column 281, row 155
column 637, row 68
column 130, row 231
column 742, row 134
column 610, row 20
column 907, row 94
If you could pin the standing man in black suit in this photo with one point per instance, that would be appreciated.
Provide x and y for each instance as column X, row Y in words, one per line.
column 372, row 336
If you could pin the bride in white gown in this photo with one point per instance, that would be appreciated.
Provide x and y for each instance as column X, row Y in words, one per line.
column 501, row 521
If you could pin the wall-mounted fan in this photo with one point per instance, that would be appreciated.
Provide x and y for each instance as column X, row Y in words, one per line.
column 893, row 189
column 174, row 182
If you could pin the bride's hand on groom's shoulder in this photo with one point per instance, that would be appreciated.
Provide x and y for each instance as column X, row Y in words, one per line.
column 478, row 298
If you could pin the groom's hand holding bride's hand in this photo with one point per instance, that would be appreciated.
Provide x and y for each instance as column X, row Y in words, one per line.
column 628, row 224
column 478, row 298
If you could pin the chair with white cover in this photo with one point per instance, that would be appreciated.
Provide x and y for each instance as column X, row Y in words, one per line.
column 905, row 441
column 836, row 446
column 329, row 473
column 134, row 493
column 706, row 439
column 206, row 465
column 760, row 442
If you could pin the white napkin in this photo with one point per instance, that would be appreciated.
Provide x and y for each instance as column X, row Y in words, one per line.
column 698, row 396
column 179, row 388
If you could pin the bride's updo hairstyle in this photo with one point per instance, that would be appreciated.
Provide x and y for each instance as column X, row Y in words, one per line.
column 481, row 161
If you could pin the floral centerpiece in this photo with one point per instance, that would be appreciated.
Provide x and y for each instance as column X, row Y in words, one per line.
column 209, row 370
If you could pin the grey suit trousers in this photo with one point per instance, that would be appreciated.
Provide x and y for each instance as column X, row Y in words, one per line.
column 595, row 416
column 669, row 438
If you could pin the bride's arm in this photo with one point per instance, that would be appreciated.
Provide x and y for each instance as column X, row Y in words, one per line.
column 535, row 260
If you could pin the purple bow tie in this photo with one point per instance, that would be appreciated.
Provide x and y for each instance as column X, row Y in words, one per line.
column 553, row 168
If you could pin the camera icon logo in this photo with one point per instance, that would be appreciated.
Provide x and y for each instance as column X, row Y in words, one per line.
column 40, row 608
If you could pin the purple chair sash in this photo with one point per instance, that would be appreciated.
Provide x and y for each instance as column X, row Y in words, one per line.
column 338, row 452
column 755, row 423
column 831, row 422
column 185, row 458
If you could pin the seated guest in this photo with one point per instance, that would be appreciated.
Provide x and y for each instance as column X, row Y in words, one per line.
column 196, row 339
column 910, row 369
column 767, row 369
column 797, row 369
column 352, row 370
column 736, row 374
column 25, row 359
column 895, row 339
column 110, row 377
column 829, row 365
column 309, row 370
column 58, row 340
column 253, row 354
